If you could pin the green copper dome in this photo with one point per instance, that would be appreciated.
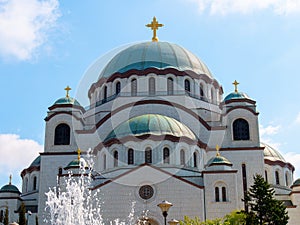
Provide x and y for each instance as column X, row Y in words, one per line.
column 151, row 124
column 10, row 188
column 236, row 95
column 77, row 163
column 160, row 55
column 297, row 182
column 271, row 153
column 36, row 162
column 67, row 100
column 218, row 160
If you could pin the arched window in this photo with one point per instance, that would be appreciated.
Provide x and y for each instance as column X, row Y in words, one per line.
column 118, row 88
column 104, row 162
column 187, row 86
column 1, row 216
column 166, row 155
column 224, row 198
column 195, row 164
column 245, row 189
column 34, row 183
column 240, row 130
column 212, row 95
column 148, row 155
column 26, row 184
column 130, row 156
column 217, row 194
column 287, row 183
column 277, row 177
column 105, row 93
column 133, row 87
column 266, row 176
column 182, row 157
column 170, row 88
column 60, row 171
column 201, row 90
column 116, row 158
column 62, row 134
column 151, row 86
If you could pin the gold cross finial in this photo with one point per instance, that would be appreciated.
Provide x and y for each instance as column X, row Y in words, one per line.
column 154, row 25
column 67, row 89
column 10, row 177
column 218, row 148
column 235, row 83
column 78, row 152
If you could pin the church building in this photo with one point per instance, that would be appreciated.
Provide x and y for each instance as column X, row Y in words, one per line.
column 160, row 128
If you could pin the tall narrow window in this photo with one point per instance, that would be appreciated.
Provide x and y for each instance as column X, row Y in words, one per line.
column 105, row 93
column 182, row 157
column 224, row 198
column 34, row 183
column 1, row 216
column 26, row 184
column 170, row 88
column 266, row 176
column 60, row 171
column 104, row 162
column 286, row 179
column 130, row 156
column 118, row 88
column 151, row 86
column 195, row 164
column 116, row 158
column 277, row 177
column 187, row 86
column 212, row 95
column 166, row 155
column 62, row 134
column 201, row 90
column 217, row 194
column 148, row 155
column 133, row 87
column 244, row 176
column 240, row 130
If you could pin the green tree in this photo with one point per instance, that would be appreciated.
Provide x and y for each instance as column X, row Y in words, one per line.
column 5, row 222
column 22, row 218
column 264, row 208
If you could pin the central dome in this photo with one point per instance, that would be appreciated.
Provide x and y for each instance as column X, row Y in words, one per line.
column 160, row 55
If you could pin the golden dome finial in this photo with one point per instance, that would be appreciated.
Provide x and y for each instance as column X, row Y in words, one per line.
column 154, row 25
column 67, row 89
column 10, row 178
column 218, row 148
column 235, row 83
column 78, row 154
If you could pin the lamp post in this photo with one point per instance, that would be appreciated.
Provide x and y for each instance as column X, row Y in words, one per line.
column 165, row 206
column 173, row 222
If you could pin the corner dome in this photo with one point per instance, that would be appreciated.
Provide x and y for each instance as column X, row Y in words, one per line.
column 77, row 163
column 218, row 160
column 36, row 162
column 10, row 188
column 67, row 101
column 236, row 95
column 151, row 124
column 160, row 55
column 296, row 182
column 271, row 153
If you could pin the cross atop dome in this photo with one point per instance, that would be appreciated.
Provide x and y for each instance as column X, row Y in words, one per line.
column 154, row 25
column 67, row 89
column 235, row 83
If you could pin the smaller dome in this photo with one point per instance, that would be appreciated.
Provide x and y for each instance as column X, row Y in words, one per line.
column 36, row 162
column 10, row 188
column 271, row 153
column 81, row 163
column 67, row 100
column 296, row 182
column 218, row 160
column 236, row 95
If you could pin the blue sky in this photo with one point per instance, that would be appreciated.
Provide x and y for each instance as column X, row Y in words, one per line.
column 47, row 45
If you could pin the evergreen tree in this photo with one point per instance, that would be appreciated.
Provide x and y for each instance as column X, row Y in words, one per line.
column 6, row 217
column 264, row 208
column 22, row 218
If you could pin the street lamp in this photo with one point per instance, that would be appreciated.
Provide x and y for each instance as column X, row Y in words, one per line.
column 165, row 206
column 173, row 222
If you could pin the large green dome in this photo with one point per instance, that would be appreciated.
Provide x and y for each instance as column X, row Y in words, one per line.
column 67, row 101
column 160, row 55
column 151, row 124
column 10, row 188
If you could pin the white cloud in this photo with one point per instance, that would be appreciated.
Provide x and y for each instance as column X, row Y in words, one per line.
column 223, row 7
column 294, row 159
column 24, row 25
column 298, row 118
column 269, row 130
column 16, row 154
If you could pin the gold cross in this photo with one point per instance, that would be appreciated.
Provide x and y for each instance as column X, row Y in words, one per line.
column 235, row 83
column 218, row 148
column 67, row 89
column 78, row 152
column 10, row 177
column 154, row 25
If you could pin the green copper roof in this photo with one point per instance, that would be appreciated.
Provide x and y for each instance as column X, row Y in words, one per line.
column 296, row 182
column 36, row 162
column 10, row 188
column 236, row 95
column 159, row 55
column 153, row 124
column 76, row 163
column 218, row 160
column 271, row 153
column 67, row 100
